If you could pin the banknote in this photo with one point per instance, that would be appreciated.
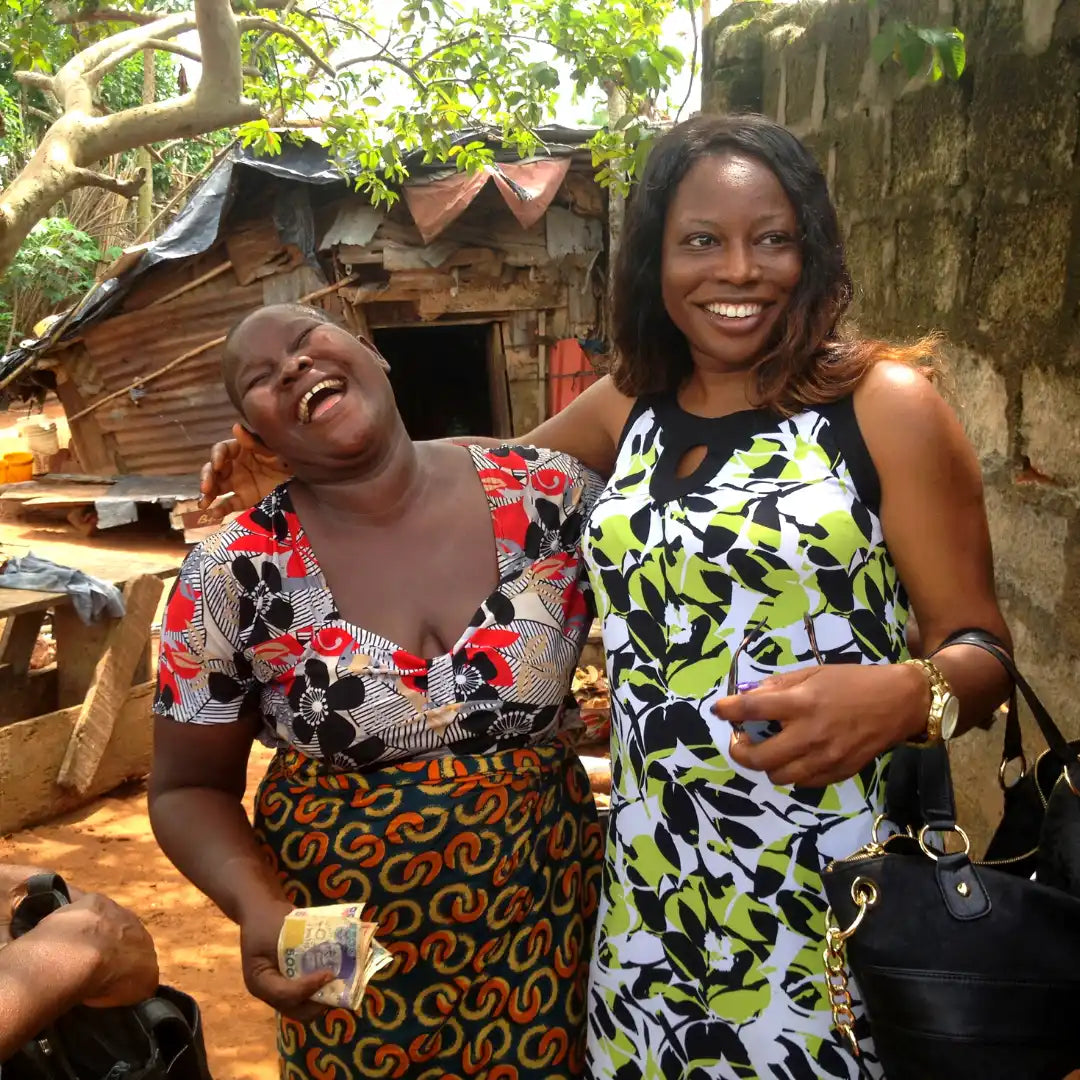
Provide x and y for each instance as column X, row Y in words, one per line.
column 338, row 939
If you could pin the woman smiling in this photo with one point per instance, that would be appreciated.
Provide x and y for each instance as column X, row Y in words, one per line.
column 782, row 491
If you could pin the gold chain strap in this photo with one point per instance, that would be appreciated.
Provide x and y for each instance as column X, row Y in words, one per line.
column 864, row 894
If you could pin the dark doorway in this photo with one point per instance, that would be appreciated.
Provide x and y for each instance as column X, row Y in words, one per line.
column 440, row 378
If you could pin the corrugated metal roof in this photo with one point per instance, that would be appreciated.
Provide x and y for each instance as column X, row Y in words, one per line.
column 166, row 426
column 196, row 227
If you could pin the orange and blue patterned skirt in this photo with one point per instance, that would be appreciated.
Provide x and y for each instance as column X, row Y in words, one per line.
column 483, row 874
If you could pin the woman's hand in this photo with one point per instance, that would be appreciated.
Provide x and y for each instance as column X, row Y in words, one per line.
column 244, row 467
column 259, row 932
column 836, row 718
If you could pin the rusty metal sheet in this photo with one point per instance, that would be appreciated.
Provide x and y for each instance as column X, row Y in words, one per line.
column 529, row 186
column 253, row 247
column 166, row 426
column 357, row 222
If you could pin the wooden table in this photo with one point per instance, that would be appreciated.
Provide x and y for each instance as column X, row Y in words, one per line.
column 81, row 726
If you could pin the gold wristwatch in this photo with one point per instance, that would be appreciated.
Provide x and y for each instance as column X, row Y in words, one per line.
column 944, row 706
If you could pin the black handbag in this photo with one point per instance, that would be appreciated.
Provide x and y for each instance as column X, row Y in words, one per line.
column 965, row 969
column 158, row 1039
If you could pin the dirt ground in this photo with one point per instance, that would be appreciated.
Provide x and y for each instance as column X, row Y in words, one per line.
column 108, row 847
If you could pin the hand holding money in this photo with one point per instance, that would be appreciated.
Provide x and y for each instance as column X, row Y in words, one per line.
column 334, row 939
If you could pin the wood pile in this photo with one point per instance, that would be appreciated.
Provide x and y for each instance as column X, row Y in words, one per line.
column 93, row 503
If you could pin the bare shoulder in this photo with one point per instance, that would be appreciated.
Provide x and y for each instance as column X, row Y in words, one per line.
column 609, row 401
column 892, row 385
column 897, row 403
column 907, row 424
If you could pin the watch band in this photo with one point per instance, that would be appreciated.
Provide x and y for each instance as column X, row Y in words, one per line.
column 940, row 694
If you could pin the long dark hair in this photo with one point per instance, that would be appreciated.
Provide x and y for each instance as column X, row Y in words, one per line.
column 810, row 361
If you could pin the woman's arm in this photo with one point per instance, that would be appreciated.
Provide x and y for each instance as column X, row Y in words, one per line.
column 197, row 814
column 588, row 428
column 837, row 718
column 934, row 519
column 196, row 810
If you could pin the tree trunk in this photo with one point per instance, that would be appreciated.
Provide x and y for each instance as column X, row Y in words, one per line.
column 616, row 200
column 145, row 215
column 39, row 186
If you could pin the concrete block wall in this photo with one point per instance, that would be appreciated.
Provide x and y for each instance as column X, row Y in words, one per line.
column 961, row 208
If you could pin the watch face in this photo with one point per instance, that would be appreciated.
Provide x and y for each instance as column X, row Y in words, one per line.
column 950, row 714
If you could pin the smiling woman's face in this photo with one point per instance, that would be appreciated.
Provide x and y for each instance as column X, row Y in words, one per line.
column 731, row 259
column 317, row 396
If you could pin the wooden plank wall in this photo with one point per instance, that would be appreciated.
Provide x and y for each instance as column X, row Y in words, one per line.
column 540, row 284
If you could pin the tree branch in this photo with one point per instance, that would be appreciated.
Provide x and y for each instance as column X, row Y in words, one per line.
column 385, row 58
column 159, row 45
column 75, row 80
column 264, row 37
column 693, row 61
column 270, row 27
column 127, row 188
column 452, row 43
column 35, row 79
column 219, row 39
column 99, row 15
column 140, row 18
column 64, row 159
column 216, row 102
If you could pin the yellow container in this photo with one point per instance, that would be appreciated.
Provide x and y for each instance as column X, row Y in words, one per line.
column 18, row 467
column 3, row 473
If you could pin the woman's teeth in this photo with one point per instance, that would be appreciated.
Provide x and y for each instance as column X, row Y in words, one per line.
column 735, row 311
column 303, row 409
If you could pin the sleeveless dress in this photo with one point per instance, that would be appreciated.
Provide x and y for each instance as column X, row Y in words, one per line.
column 439, row 793
column 711, row 923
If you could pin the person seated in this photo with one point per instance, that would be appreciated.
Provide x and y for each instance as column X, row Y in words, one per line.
column 91, row 952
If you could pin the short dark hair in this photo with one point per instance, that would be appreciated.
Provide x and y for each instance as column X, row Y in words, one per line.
column 228, row 353
column 808, row 362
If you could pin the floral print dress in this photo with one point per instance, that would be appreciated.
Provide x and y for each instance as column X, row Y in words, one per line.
column 252, row 619
column 436, row 793
column 711, row 922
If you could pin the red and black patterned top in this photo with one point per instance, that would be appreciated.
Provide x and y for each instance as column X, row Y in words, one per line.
column 251, row 620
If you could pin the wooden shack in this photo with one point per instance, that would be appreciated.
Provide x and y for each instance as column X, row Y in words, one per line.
column 470, row 285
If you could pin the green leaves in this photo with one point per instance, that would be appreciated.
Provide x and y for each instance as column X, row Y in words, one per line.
column 545, row 76
column 261, row 137
column 921, row 51
column 413, row 83
column 472, row 157
column 56, row 261
column 384, row 81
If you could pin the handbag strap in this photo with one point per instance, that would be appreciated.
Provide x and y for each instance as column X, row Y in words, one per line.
column 167, row 1026
column 1057, row 742
column 919, row 788
column 42, row 895
column 1013, row 744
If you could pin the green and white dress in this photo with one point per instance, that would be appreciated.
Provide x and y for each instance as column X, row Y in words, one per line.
column 711, row 925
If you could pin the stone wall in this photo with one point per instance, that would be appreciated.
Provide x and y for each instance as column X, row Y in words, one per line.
column 961, row 207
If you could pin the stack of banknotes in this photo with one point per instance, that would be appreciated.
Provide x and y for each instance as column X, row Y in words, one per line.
column 336, row 939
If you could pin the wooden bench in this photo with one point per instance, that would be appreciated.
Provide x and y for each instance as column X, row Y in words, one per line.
column 81, row 726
